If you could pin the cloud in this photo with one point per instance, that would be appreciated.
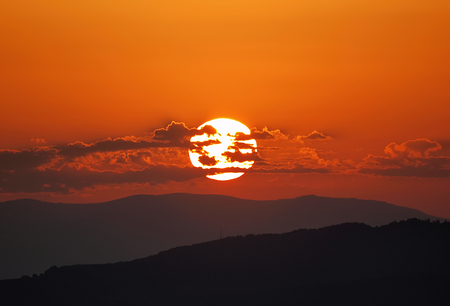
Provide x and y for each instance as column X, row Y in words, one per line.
column 121, row 161
column 174, row 132
column 156, row 158
column 70, row 179
column 238, row 156
column 47, row 168
column 305, row 160
column 419, row 148
column 314, row 135
column 162, row 156
column 412, row 158
column 197, row 146
column 153, row 159
column 179, row 133
column 268, row 134
column 208, row 161
column 264, row 134
column 79, row 148
column 175, row 135
column 11, row 160
column 309, row 156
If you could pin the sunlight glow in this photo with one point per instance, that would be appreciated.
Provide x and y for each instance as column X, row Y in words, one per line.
column 225, row 176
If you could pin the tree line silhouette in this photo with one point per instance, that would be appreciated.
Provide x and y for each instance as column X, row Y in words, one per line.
column 348, row 264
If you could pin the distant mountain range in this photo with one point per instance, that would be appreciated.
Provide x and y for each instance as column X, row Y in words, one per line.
column 35, row 235
column 403, row 263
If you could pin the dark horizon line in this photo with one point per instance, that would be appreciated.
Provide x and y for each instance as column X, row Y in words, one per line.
column 218, row 195
column 199, row 194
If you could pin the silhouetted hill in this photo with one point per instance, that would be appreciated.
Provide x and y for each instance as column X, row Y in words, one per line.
column 35, row 235
column 404, row 263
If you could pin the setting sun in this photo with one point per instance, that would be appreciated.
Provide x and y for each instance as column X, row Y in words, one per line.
column 226, row 149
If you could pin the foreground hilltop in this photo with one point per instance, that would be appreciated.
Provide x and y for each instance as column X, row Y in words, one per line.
column 35, row 235
column 403, row 263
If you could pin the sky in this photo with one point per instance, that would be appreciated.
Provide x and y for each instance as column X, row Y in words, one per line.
column 345, row 98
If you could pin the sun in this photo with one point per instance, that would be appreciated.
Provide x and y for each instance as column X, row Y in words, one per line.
column 225, row 146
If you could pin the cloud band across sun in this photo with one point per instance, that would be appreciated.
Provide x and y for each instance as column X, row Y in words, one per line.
column 162, row 156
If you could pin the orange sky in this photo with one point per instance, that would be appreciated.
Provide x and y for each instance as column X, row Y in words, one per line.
column 363, row 73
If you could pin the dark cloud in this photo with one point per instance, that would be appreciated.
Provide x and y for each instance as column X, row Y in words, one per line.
column 197, row 146
column 11, row 160
column 207, row 161
column 179, row 133
column 71, row 179
column 80, row 165
column 207, row 129
column 174, row 135
column 120, row 161
column 153, row 159
column 445, row 143
column 174, row 132
column 237, row 156
column 79, row 148
column 411, row 159
column 242, row 145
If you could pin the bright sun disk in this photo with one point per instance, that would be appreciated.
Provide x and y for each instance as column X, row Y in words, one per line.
column 225, row 149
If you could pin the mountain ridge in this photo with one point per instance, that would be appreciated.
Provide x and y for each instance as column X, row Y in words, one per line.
column 35, row 234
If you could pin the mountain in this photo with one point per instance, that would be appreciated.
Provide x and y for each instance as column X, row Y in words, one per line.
column 35, row 235
column 403, row 263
